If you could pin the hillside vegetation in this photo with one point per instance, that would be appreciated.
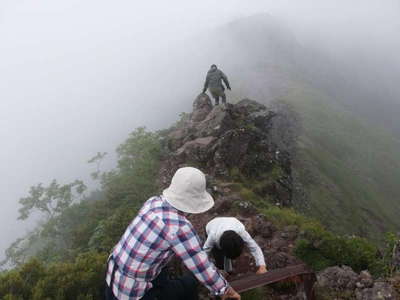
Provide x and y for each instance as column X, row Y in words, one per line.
column 349, row 168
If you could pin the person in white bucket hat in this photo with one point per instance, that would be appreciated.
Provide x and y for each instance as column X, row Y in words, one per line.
column 136, row 266
column 187, row 191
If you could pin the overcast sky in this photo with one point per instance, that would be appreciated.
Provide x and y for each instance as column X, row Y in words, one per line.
column 77, row 76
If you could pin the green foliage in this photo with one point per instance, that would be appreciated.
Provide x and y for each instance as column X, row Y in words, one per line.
column 138, row 164
column 81, row 279
column 332, row 250
column 19, row 283
column 392, row 243
column 16, row 253
column 317, row 247
column 72, row 245
column 97, row 159
column 97, row 221
column 321, row 248
column 51, row 200
column 256, row 189
column 349, row 167
column 109, row 231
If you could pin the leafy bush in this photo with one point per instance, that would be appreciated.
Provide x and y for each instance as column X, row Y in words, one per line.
column 330, row 250
column 81, row 279
column 320, row 248
column 74, row 243
column 138, row 164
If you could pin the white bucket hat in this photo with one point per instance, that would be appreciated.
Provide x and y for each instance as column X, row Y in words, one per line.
column 187, row 191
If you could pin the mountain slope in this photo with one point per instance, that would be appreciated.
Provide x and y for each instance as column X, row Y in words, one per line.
column 348, row 162
column 354, row 167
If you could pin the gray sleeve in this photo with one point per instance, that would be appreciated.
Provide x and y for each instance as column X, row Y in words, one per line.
column 206, row 82
column 225, row 79
column 253, row 247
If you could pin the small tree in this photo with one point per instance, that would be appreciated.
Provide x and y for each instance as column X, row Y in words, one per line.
column 392, row 253
column 97, row 159
column 50, row 200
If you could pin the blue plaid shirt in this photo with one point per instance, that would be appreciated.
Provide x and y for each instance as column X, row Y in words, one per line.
column 158, row 232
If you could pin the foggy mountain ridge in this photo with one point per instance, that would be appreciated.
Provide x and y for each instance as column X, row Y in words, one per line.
column 261, row 69
column 339, row 123
column 344, row 165
column 269, row 64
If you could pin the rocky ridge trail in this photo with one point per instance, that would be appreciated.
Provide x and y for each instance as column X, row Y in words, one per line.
column 248, row 168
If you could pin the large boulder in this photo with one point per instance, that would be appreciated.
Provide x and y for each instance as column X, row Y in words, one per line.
column 201, row 108
column 262, row 227
column 176, row 138
column 338, row 278
column 196, row 150
column 218, row 121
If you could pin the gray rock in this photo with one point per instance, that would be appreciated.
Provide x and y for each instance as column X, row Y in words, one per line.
column 366, row 279
column 278, row 243
column 291, row 232
column 175, row 138
column 201, row 108
column 278, row 260
column 262, row 227
column 217, row 121
column 379, row 291
column 338, row 278
column 196, row 149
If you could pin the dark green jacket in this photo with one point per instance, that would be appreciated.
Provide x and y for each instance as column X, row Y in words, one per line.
column 214, row 79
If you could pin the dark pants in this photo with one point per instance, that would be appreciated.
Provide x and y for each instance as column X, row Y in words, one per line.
column 183, row 288
column 218, row 257
column 216, row 93
column 223, row 99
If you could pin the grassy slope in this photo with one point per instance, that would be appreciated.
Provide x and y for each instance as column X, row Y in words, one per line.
column 353, row 168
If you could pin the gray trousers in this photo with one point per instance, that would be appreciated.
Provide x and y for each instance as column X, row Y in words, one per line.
column 218, row 92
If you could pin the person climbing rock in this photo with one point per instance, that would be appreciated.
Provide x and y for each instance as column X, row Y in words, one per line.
column 226, row 238
column 136, row 266
column 214, row 84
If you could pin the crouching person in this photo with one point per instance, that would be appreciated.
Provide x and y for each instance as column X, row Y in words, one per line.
column 136, row 266
column 226, row 238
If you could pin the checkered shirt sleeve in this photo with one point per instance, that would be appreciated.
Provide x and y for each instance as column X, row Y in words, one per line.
column 186, row 244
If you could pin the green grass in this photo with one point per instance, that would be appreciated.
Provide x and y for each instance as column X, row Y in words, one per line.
column 355, row 167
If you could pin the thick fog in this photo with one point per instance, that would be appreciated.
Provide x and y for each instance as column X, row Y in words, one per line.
column 77, row 76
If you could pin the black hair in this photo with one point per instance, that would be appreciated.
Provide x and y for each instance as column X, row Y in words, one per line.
column 231, row 244
column 213, row 65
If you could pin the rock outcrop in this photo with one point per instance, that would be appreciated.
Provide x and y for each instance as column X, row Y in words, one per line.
column 361, row 286
column 234, row 145
column 248, row 165
column 233, row 139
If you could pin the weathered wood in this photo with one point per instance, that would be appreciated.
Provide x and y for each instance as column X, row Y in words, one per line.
column 253, row 281
column 309, row 281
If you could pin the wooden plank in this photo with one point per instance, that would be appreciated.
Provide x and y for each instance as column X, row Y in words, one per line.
column 250, row 282
column 309, row 281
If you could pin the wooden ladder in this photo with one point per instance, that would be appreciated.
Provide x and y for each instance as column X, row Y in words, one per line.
column 298, row 273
